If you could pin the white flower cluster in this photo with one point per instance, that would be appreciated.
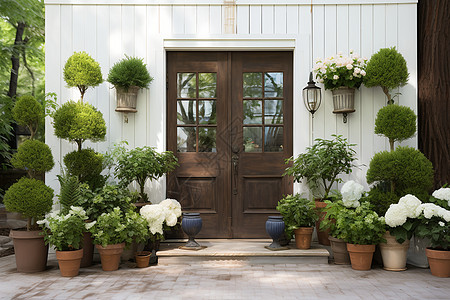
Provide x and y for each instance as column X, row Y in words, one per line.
column 408, row 207
column 55, row 217
column 442, row 194
column 167, row 212
column 353, row 62
column 430, row 210
column 351, row 193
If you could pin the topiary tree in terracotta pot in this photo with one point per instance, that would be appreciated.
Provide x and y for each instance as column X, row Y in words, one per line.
column 82, row 71
column 386, row 69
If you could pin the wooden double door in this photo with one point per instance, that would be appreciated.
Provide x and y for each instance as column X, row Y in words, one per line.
column 230, row 124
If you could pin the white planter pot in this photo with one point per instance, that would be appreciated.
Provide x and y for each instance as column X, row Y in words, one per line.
column 393, row 253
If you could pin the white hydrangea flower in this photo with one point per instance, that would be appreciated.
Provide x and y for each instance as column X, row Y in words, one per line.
column 396, row 215
column 335, row 77
column 442, row 224
column 442, row 194
column 411, row 203
column 429, row 210
column 155, row 216
column 89, row 225
column 363, row 73
column 351, row 193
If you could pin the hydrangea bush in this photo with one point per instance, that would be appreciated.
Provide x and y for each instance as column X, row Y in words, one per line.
column 351, row 193
column 402, row 219
column 161, row 216
column 341, row 71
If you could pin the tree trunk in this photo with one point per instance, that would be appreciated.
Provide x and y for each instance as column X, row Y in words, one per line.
column 15, row 59
column 434, row 85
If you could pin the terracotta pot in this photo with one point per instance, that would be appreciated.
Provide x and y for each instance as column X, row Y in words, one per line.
column 303, row 237
column 88, row 250
column 69, row 262
column 439, row 261
column 361, row 256
column 393, row 253
column 322, row 236
column 30, row 250
column 340, row 252
column 142, row 259
column 110, row 256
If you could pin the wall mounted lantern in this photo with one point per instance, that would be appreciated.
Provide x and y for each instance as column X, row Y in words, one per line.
column 312, row 96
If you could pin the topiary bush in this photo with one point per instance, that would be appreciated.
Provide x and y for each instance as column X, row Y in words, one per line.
column 386, row 69
column 395, row 122
column 27, row 111
column 380, row 200
column 33, row 156
column 77, row 122
column 130, row 71
column 405, row 168
column 82, row 71
column 30, row 197
column 86, row 165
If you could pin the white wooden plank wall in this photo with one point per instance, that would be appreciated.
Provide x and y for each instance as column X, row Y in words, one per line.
column 107, row 32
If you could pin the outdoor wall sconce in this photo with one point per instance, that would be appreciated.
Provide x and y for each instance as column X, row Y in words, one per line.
column 312, row 96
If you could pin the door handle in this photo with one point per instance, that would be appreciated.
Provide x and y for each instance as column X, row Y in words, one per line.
column 235, row 162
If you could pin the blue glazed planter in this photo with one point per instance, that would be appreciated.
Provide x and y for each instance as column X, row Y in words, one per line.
column 191, row 225
column 275, row 228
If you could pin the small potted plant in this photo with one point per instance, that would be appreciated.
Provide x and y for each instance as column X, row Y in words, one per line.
column 30, row 196
column 362, row 229
column 320, row 166
column 128, row 76
column 342, row 75
column 65, row 233
column 434, row 224
column 141, row 164
column 113, row 231
column 299, row 216
column 386, row 69
column 401, row 221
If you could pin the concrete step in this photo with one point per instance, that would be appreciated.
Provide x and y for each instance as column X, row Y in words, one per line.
column 250, row 250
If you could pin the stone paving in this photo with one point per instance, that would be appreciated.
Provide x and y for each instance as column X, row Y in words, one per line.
column 221, row 279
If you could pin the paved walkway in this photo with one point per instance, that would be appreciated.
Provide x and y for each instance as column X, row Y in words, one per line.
column 222, row 279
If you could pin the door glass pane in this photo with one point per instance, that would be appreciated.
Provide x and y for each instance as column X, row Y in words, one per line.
column 186, row 112
column 186, row 141
column 252, row 85
column 207, row 139
column 252, row 139
column 273, row 140
column 273, row 111
column 207, row 83
column 252, row 111
column 273, row 84
column 207, row 112
column 186, row 85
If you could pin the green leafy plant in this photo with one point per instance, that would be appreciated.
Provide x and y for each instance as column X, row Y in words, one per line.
column 360, row 226
column 130, row 71
column 82, row 71
column 406, row 169
column 30, row 197
column 87, row 166
column 78, row 122
column 65, row 231
column 33, row 156
column 297, row 212
column 395, row 122
column 70, row 193
column 28, row 112
column 116, row 227
column 386, row 69
column 140, row 164
column 321, row 164
column 332, row 210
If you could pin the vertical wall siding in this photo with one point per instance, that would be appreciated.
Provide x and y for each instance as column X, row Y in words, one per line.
column 107, row 32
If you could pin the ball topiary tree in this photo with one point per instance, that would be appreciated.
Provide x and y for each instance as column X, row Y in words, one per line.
column 395, row 122
column 130, row 71
column 86, row 165
column 30, row 197
column 77, row 122
column 27, row 111
column 33, row 156
column 386, row 69
column 82, row 71
column 406, row 168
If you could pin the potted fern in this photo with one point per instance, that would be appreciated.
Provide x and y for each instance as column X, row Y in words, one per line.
column 128, row 76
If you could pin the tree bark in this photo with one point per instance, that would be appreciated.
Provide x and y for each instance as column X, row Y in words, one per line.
column 434, row 86
column 15, row 59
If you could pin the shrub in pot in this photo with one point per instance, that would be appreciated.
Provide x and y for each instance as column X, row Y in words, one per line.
column 128, row 76
column 82, row 71
column 65, row 233
column 141, row 164
column 113, row 231
column 386, row 69
column 299, row 216
column 434, row 224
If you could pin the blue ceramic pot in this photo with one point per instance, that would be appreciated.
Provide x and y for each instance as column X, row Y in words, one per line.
column 275, row 228
column 191, row 225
